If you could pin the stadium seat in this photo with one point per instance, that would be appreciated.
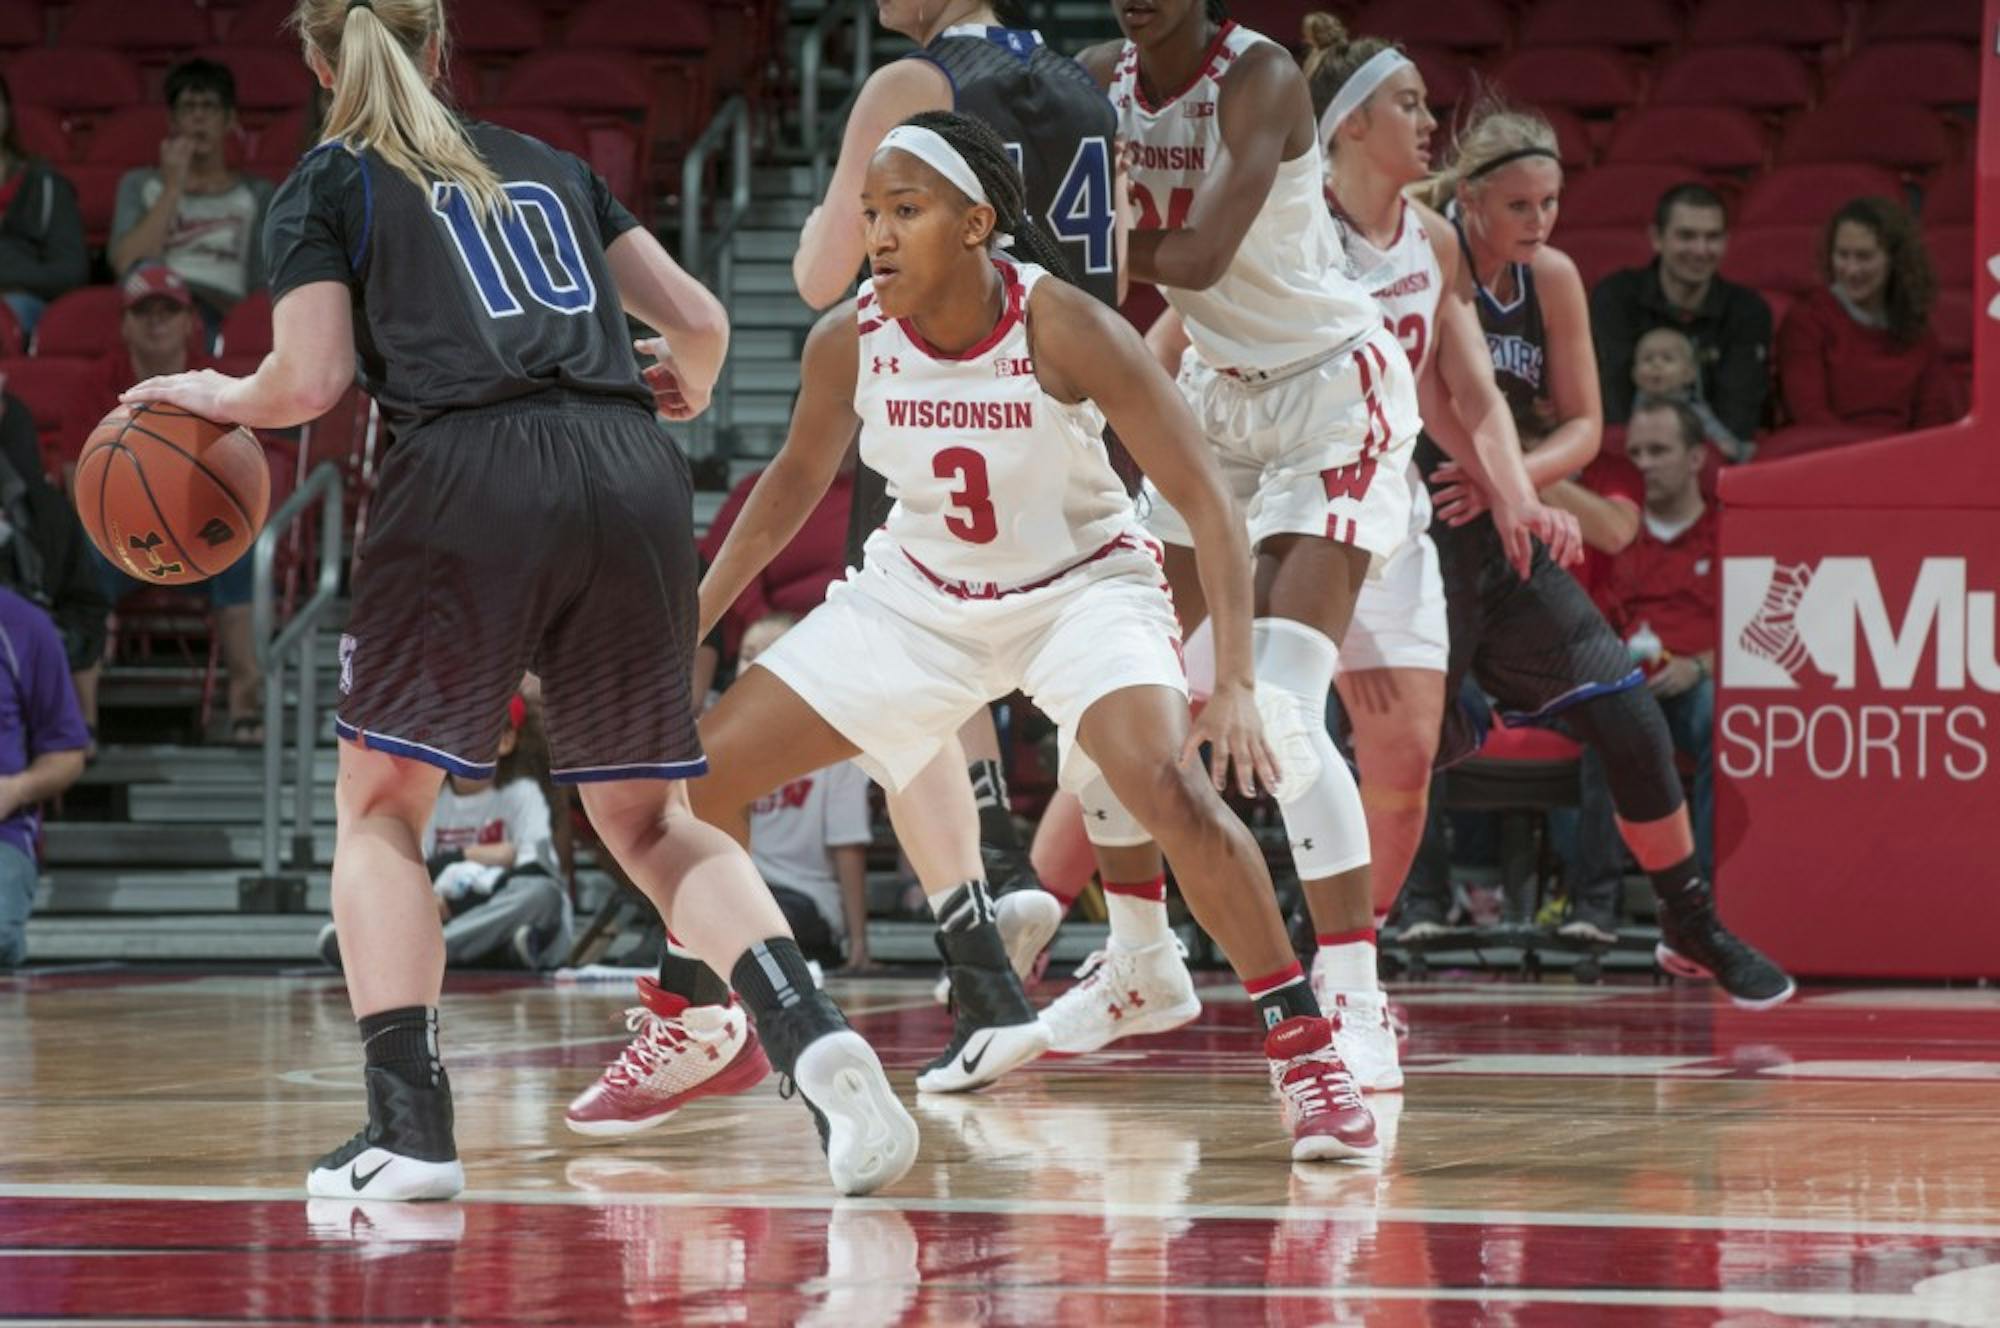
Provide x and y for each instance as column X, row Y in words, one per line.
column 11, row 340
column 1780, row 303
column 1572, row 136
column 1799, row 439
column 1469, row 25
column 745, row 37
column 1447, row 78
column 82, row 323
column 1598, row 251
column 68, row 79
column 1807, row 195
column 1630, row 23
column 1930, row 73
column 246, row 334
column 1756, row 78
column 1797, row 23
column 498, row 27
column 1784, row 258
column 670, row 26
column 1953, row 253
column 269, row 80
column 1901, row 135
column 153, row 27
column 263, row 23
column 96, row 197
column 612, row 93
column 1582, row 78
column 22, row 23
column 277, row 146
column 54, row 391
column 1915, row 20
column 1709, row 138
column 557, row 128
column 1948, row 196
column 129, row 136
column 1951, row 319
column 41, row 133
column 1619, row 195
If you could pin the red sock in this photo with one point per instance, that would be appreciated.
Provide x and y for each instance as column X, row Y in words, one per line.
column 1328, row 938
column 1281, row 995
column 1153, row 891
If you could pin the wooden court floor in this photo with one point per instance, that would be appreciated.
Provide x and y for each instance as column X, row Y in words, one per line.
column 1562, row 1156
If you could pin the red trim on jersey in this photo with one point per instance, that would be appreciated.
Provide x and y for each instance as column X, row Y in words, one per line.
column 1011, row 309
column 985, row 590
column 869, row 326
column 862, row 301
column 1206, row 68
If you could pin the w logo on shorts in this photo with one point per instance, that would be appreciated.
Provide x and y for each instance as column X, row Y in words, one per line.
column 347, row 644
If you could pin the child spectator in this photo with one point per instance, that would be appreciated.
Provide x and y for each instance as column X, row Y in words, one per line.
column 1663, row 366
column 193, row 212
column 42, row 742
column 810, row 841
column 41, row 232
column 1861, row 351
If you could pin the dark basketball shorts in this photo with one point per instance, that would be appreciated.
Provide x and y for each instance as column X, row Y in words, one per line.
column 552, row 535
column 1537, row 647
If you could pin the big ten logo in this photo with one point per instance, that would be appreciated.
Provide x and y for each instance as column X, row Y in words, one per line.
column 1903, row 692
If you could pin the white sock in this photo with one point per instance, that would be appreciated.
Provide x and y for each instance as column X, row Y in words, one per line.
column 1136, row 922
column 1349, row 966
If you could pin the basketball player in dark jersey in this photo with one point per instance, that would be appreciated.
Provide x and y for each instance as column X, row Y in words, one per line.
column 532, row 515
column 1538, row 645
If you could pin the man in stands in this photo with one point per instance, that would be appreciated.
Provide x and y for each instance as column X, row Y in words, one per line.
column 1661, row 597
column 193, row 212
column 42, row 741
column 1730, row 325
column 156, row 330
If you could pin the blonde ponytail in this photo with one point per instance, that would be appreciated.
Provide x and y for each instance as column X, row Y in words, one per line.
column 1491, row 130
column 381, row 98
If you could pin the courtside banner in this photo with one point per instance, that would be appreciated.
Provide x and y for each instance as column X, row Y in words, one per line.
column 1857, row 740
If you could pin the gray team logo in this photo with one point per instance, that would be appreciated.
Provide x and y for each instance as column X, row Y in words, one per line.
column 347, row 644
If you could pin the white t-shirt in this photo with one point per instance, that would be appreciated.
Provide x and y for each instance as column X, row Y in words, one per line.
column 214, row 242
column 516, row 813
column 794, row 831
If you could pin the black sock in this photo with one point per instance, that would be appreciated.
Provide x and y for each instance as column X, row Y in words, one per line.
column 777, row 989
column 996, row 818
column 1681, row 886
column 405, row 1043
column 690, row 979
column 1294, row 1000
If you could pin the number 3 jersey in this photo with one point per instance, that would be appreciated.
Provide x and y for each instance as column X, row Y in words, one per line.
column 997, row 484
column 1283, row 299
column 452, row 312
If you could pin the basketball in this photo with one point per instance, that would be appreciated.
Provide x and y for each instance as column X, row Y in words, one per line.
column 170, row 497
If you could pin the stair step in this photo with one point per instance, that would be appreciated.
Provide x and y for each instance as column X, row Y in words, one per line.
column 100, row 844
column 220, row 804
column 765, row 376
column 766, row 408
column 183, row 765
column 107, row 891
column 763, row 343
column 792, row 181
column 764, row 246
column 771, row 311
column 778, row 213
column 765, row 278
column 273, row 937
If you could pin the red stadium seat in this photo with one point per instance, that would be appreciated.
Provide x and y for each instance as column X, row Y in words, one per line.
column 81, row 323
column 1468, row 25
column 1799, row 23
column 745, row 37
column 1799, row 439
column 1572, row 136
column 1807, row 195
column 268, row 80
column 1447, row 78
column 1714, row 138
column 41, row 133
column 1629, row 23
column 1780, row 303
column 502, row 27
column 155, row 27
column 1951, row 319
column 1911, row 20
column 669, row 27
column 1757, row 78
column 279, row 145
column 264, row 23
column 96, row 197
column 1902, row 135
column 1584, row 78
column 1948, row 196
column 22, row 23
column 611, row 93
column 1930, row 73
column 559, row 129
column 1784, row 258
column 55, row 391
column 1600, row 251
column 246, row 334
column 129, row 136
column 73, row 78
column 1619, row 195
column 1953, row 257
column 11, row 340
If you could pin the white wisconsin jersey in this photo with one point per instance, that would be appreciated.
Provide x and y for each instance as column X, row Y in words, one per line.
column 996, row 483
column 1405, row 278
column 1285, row 298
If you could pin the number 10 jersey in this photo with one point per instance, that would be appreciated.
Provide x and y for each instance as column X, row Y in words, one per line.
column 997, row 484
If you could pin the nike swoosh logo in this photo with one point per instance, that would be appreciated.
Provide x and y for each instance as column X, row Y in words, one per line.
column 970, row 1064
column 360, row 1182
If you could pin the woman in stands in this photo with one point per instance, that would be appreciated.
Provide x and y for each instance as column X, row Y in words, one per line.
column 519, row 523
column 1860, row 350
column 1538, row 646
column 1013, row 558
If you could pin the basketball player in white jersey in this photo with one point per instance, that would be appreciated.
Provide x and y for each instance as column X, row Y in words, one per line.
column 1012, row 558
column 1311, row 406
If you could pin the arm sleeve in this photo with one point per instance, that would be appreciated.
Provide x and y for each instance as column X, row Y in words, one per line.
column 54, row 722
column 1615, row 332
column 255, row 273
column 130, row 207
column 847, row 821
column 1743, row 374
column 1802, row 367
column 316, row 227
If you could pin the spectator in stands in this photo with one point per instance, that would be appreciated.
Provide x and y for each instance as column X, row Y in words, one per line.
column 41, row 232
column 1661, row 598
column 1663, row 365
column 795, row 581
column 156, row 330
column 1730, row 325
column 193, row 212
column 1861, row 351
column 810, row 841
column 44, row 555
column 42, row 742
column 491, row 852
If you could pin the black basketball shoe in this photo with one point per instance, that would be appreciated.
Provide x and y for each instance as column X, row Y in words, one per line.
column 1695, row 944
column 405, row 1151
column 994, row 1028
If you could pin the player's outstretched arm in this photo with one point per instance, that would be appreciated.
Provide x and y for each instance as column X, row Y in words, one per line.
column 1085, row 351
column 1263, row 100
column 310, row 365
column 693, row 327
column 823, row 423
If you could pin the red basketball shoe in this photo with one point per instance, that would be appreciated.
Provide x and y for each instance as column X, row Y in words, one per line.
column 680, row 1052
column 1322, row 1105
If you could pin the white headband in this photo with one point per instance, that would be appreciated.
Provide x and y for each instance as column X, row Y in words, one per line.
column 1360, row 86
column 935, row 151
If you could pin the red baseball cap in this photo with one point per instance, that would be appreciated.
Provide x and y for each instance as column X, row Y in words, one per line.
column 150, row 281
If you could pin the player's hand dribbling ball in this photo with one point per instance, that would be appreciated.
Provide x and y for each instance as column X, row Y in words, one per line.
column 169, row 497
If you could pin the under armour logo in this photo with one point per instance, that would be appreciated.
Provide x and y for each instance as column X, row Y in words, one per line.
column 156, row 566
column 1304, row 845
column 1097, row 812
column 890, row 360
column 216, row 532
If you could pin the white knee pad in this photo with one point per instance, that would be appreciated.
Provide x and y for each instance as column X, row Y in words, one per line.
column 1106, row 823
column 1316, row 793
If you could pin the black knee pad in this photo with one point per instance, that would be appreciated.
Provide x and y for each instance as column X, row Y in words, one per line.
column 1630, row 736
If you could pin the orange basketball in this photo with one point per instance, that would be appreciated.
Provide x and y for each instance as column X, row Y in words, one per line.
column 170, row 497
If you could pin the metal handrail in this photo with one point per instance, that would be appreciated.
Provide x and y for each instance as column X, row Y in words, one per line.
column 813, row 128
column 302, row 632
column 734, row 120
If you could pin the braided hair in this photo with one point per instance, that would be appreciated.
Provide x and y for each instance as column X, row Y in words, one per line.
column 1012, row 13
column 1217, row 10
column 983, row 151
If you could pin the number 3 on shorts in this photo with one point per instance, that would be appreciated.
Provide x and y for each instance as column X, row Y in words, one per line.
column 974, row 521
